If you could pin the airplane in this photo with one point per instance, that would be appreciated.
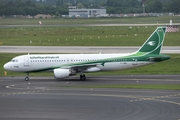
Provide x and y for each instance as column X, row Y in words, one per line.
column 65, row 65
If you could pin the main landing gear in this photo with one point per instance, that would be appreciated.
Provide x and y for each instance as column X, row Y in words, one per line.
column 27, row 77
column 82, row 77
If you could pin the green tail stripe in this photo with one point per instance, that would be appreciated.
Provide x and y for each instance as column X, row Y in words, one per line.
column 154, row 42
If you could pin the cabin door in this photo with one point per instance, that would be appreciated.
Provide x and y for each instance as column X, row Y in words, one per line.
column 26, row 61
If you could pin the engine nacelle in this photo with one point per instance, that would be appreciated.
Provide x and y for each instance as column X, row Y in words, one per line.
column 61, row 73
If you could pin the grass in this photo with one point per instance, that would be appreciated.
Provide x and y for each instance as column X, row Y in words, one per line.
column 133, row 86
column 167, row 67
column 81, row 36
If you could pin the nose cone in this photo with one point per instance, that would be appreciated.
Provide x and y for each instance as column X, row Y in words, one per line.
column 7, row 66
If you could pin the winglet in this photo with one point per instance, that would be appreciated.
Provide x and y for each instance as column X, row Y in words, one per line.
column 154, row 43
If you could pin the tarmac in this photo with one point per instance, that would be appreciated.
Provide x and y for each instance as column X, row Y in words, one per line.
column 80, row 49
column 62, row 99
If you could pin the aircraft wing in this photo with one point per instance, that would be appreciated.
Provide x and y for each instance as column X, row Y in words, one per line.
column 79, row 66
column 82, row 67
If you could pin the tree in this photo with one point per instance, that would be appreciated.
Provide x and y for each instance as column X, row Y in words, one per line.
column 174, row 6
column 80, row 5
column 111, row 10
column 154, row 6
column 123, row 6
column 59, row 2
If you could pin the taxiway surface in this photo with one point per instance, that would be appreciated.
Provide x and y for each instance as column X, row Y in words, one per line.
column 80, row 49
column 48, row 98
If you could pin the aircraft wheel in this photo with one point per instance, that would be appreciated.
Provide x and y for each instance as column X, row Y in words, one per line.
column 82, row 77
column 26, row 78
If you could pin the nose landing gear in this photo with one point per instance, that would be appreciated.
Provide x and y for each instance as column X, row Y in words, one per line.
column 27, row 77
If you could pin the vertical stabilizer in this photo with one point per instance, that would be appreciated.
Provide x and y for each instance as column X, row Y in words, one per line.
column 154, row 43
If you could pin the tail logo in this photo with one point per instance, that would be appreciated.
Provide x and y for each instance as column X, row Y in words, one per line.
column 151, row 43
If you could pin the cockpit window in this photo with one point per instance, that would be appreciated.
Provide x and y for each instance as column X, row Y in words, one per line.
column 14, row 60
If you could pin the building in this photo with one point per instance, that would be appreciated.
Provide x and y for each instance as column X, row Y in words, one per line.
column 87, row 13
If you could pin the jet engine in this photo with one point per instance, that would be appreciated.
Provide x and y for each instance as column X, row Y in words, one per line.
column 62, row 73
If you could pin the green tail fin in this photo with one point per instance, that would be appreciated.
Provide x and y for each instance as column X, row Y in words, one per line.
column 154, row 43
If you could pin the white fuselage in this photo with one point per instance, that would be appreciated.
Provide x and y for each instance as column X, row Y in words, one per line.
column 33, row 62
